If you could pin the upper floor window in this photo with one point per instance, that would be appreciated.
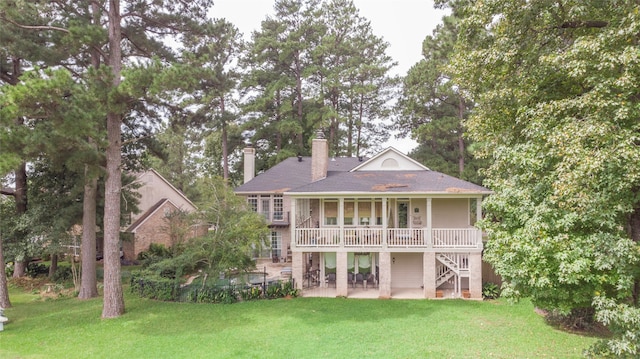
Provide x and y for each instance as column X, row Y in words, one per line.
column 253, row 203
column 348, row 213
column 330, row 213
column 266, row 207
column 278, row 208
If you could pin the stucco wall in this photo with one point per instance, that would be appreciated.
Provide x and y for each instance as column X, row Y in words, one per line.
column 450, row 212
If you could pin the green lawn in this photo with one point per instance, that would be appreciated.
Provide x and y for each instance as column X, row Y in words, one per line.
column 283, row 328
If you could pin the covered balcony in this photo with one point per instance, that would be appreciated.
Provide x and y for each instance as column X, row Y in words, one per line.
column 378, row 238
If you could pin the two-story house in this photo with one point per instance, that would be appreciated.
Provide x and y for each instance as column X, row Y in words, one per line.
column 382, row 223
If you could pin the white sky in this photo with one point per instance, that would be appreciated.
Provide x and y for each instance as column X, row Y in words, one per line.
column 402, row 23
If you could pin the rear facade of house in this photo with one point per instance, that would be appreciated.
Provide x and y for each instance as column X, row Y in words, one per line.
column 382, row 224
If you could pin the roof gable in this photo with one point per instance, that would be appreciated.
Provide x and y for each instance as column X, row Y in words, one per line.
column 163, row 203
column 390, row 159
column 154, row 187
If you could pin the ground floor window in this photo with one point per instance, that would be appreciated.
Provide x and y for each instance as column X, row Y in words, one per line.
column 276, row 244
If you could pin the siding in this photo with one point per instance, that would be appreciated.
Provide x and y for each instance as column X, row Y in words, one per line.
column 406, row 272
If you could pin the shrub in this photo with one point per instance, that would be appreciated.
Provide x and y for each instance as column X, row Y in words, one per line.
column 490, row 290
column 224, row 295
column 37, row 269
column 62, row 274
column 251, row 293
column 623, row 321
column 289, row 290
column 147, row 285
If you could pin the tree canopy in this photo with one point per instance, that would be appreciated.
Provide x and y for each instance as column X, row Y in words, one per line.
column 555, row 87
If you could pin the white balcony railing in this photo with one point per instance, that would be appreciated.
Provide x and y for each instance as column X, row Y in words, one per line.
column 456, row 238
column 357, row 237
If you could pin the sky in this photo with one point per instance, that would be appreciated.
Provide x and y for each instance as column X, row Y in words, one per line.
column 402, row 23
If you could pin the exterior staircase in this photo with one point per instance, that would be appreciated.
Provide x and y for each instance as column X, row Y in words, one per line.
column 451, row 266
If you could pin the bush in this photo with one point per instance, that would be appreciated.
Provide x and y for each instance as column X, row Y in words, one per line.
column 224, row 295
column 157, row 250
column 37, row 269
column 490, row 290
column 62, row 274
column 251, row 293
column 147, row 285
column 624, row 322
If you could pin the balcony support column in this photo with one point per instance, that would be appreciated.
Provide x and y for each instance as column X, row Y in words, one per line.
column 342, row 285
column 385, row 275
column 429, row 225
column 297, row 269
column 429, row 274
column 475, row 275
column 294, row 239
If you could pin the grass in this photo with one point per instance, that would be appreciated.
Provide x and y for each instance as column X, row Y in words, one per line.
column 283, row 328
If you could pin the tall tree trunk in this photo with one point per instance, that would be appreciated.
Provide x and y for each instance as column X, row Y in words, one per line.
column 113, row 305
column 4, row 289
column 54, row 265
column 461, row 148
column 225, row 150
column 88, row 282
column 20, row 196
column 278, row 118
column 299, row 100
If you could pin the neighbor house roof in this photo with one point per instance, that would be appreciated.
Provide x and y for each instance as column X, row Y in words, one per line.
column 146, row 215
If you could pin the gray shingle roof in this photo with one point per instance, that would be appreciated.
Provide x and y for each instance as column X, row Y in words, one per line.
column 391, row 182
column 294, row 177
column 291, row 173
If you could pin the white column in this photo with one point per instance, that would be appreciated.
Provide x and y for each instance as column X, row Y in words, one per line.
column 297, row 268
column 475, row 275
column 478, row 208
column 321, row 265
column 341, row 220
column 384, row 222
column 294, row 240
column 385, row 275
column 429, row 224
column 342, row 285
column 429, row 274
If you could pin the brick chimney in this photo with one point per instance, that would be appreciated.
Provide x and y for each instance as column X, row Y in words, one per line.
column 319, row 157
column 249, row 163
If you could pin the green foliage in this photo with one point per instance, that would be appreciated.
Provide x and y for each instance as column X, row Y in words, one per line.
column 490, row 290
column 62, row 274
column 156, row 250
column 433, row 110
column 317, row 65
column 234, row 231
column 35, row 269
column 556, row 111
column 251, row 293
column 623, row 321
column 150, row 286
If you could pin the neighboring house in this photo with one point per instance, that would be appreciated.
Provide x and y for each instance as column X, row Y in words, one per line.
column 158, row 200
column 385, row 223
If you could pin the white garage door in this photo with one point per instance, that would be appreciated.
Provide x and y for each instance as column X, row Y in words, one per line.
column 406, row 270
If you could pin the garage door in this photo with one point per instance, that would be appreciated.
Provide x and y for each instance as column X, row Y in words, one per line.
column 406, row 270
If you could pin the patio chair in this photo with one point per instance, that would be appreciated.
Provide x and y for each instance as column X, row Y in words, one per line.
column 370, row 278
column 359, row 279
column 351, row 279
column 331, row 277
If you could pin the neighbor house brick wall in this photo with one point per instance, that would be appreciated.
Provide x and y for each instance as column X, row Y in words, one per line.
column 153, row 230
